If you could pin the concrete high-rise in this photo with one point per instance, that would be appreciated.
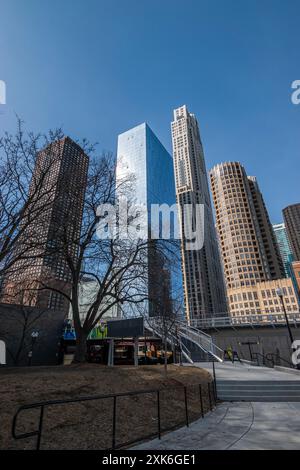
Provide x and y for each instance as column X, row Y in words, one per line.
column 61, row 173
column 284, row 247
column 249, row 249
column 271, row 256
column 204, row 287
column 291, row 216
column 251, row 257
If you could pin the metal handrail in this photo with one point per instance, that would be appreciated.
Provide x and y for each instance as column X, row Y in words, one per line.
column 262, row 318
column 198, row 337
column 275, row 355
column 205, row 342
column 156, row 329
column 42, row 405
column 256, row 355
column 271, row 355
column 185, row 324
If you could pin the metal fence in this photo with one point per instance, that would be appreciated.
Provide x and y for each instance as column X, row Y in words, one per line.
column 271, row 360
column 260, row 319
column 208, row 390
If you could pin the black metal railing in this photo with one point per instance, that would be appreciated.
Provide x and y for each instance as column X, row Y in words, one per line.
column 211, row 395
column 276, row 358
column 271, row 358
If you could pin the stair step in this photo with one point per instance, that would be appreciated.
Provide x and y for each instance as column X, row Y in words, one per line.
column 260, row 392
column 258, row 386
column 261, row 398
column 230, row 383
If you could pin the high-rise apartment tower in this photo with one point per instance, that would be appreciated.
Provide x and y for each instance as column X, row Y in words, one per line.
column 291, row 216
column 249, row 249
column 61, row 172
column 252, row 262
column 204, row 288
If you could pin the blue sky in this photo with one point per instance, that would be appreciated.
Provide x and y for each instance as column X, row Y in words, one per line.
column 99, row 67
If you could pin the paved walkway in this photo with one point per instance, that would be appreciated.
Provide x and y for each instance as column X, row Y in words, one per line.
column 238, row 426
column 238, row 371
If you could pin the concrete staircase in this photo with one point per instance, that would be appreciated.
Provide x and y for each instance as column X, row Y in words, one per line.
column 195, row 344
column 259, row 390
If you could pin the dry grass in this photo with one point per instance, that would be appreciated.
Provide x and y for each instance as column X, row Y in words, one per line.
column 88, row 425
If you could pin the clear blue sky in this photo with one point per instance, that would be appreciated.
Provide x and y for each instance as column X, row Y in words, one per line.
column 99, row 67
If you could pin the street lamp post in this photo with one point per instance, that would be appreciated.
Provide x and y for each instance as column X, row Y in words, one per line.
column 34, row 337
column 280, row 295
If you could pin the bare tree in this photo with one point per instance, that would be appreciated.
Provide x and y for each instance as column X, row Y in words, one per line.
column 118, row 264
column 166, row 300
column 165, row 326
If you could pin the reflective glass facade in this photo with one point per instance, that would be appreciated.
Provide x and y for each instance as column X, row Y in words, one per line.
column 141, row 154
column 284, row 247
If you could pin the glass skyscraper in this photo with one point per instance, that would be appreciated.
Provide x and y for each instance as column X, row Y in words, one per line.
column 284, row 247
column 141, row 154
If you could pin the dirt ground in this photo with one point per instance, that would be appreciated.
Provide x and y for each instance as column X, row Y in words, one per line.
column 88, row 425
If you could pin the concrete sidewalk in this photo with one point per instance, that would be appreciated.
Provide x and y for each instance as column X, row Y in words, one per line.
column 238, row 426
column 241, row 424
column 238, row 371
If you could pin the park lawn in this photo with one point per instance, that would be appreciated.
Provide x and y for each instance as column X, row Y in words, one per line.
column 88, row 425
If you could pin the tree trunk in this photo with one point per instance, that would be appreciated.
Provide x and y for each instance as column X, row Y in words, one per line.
column 166, row 359
column 80, row 355
column 21, row 345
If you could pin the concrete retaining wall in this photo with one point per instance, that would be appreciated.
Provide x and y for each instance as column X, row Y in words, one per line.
column 16, row 325
column 267, row 339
